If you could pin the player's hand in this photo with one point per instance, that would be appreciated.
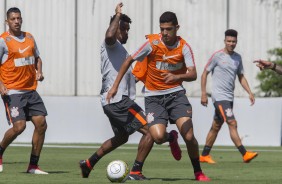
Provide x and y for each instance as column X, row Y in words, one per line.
column 263, row 64
column 112, row 92
column 204, row 100
column 118, row 8
column 169, row 78
column 39, row 76
column 252, row 99
column 3, row 89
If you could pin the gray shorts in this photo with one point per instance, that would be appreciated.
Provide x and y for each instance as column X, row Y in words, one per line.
column 23, row 106
column 125, row 116
column 223, row 111
column 161, row 108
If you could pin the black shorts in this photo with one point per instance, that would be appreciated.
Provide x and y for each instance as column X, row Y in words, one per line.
column 223, row 111
column 125, row 116
column 161, row 108
column 23, row 106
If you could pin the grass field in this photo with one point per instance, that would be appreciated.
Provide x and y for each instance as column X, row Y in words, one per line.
column 61, row 161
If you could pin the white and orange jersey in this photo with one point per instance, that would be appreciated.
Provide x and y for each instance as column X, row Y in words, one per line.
column 162, row 59
column 17, row 56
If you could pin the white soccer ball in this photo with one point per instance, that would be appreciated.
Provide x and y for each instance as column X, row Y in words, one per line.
column 117, row 170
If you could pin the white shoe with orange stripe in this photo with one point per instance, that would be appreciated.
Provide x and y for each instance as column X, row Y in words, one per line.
column 34, row 169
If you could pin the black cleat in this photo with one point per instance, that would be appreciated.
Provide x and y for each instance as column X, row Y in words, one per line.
column 85, row 168
column 136, row 176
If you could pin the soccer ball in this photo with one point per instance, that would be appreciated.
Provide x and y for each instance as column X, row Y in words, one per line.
column 117, row 170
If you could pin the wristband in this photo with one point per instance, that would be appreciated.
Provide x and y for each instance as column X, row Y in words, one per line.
column 274, row 66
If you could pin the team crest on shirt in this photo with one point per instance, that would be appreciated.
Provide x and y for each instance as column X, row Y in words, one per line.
column 229, row 112
column 14, row 112
column 150, row 117
column 156, row 42
column 8, row 39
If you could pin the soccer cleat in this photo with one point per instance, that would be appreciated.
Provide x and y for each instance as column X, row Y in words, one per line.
column 249, row 156
column 85, row 168
column 34, row 169
column 200, row 176
column 174, row 146
column 1, row 165
column 136, row 176
column 208, row 159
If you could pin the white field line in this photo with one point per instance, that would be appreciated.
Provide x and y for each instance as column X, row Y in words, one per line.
column 132, row 148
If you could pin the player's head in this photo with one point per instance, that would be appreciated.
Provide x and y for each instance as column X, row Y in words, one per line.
column 230, row 40
column 14, row 20
column 122, row 32
column 169, row 27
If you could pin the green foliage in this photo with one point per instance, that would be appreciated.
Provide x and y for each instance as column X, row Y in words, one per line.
column 270, row 81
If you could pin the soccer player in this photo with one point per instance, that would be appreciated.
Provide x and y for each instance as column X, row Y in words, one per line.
column 225, row 64
column 170, row 62
column 262, row 64
column 21, row 68
column 124, row 114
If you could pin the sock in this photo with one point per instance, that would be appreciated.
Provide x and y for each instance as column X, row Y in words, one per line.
column 1, row 151
column 242, row 150
column 170, row 138
column 33, row 160
column 94, row 159
column 137, row 166
column 196, row 164
column 206, row 150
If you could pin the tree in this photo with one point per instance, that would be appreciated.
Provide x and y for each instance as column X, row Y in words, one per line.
column 270, row 81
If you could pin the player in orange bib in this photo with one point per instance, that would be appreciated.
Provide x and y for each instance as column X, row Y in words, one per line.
column 20, row 69
column 167, row 60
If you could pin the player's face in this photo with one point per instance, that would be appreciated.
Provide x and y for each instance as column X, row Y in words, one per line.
column 122, row 33
column 230, row 43
column 168, row 31
column 14, row 21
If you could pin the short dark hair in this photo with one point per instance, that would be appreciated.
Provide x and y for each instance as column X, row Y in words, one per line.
column 123, row 17
column 169, row 17
column 231, row 32
column 13, row 10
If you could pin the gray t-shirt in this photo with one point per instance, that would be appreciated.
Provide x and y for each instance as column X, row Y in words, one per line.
column 112, row 57
column 224, row 68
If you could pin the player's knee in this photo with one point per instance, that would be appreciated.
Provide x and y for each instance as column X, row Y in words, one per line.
column 159, row 140
column 232, row 123
column 19, row 127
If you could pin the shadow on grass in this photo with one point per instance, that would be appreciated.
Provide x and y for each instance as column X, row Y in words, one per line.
column 173, row 179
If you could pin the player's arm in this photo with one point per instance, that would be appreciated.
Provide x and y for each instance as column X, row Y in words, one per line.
column 38, row 67
column 262, row 64
column 245, row 85
column 110, row 37
column 191, row 72
column 204, row 96
column 3, row 89
column 124, row 67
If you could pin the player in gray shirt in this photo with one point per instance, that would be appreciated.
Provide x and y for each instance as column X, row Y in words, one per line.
column 124, row 114
column 225, row 65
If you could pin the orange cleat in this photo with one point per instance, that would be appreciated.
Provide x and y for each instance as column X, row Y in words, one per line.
column 249, row 156
column 208, row 159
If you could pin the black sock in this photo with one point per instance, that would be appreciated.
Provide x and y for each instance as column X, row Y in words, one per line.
column 206, row 150
column 170, row 138
column 1, row 151
column 94, row 159
column 196, row 164
column 137, row 166
column 242, row 150
column 33, row 160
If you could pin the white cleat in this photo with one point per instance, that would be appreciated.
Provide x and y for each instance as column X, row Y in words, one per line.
column 35, row 170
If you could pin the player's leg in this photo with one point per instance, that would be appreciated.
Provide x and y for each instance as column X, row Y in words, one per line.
column 180, row 113
column 36, row 112
column 247, row 155
column 144, row 147
column 210, row 139
column 15, row 116
column 157, row 117
column 40, row 127
column 185, row 127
